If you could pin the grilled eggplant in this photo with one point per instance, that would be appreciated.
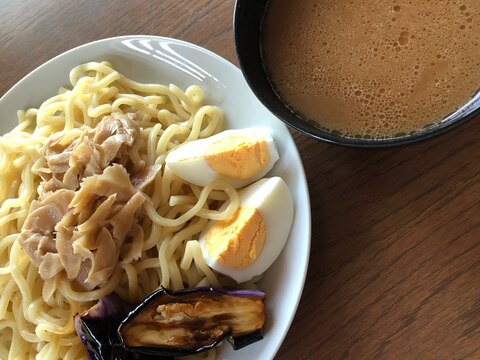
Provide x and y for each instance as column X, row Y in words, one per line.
column 194, row 320
column 172, row 323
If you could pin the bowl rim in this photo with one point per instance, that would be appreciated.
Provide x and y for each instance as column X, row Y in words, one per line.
column 326, row 136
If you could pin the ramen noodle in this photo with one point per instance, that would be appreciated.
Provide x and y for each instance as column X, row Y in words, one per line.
column 39, row 298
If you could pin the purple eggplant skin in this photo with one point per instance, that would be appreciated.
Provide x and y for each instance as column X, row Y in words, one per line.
column 201, row 333
column 97, row 329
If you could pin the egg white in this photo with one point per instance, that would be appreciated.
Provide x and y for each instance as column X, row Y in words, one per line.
column 188, row 161
column 273, row 200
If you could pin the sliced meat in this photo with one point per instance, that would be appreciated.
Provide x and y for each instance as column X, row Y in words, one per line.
column 144, row 177
column 116, row 133
column 38, row 232
column 72, row 156
column 88, row 213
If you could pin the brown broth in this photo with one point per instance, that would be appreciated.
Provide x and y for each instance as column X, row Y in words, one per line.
column 373, row 68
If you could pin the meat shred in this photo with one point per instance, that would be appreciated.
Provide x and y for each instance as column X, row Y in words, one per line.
column 88, row 213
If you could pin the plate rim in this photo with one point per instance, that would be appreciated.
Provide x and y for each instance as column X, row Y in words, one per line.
column 301, row 176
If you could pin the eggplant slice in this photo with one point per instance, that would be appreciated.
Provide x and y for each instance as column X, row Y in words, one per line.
column 172, row 323
column 194, row 320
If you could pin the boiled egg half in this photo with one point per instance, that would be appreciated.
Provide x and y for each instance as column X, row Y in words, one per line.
column 239, row 156
column 247, row 244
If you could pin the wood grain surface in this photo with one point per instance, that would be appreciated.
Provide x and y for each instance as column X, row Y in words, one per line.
column 395, row 262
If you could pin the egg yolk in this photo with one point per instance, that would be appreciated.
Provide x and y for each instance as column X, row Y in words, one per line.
column 238, row 157
column 237, row 242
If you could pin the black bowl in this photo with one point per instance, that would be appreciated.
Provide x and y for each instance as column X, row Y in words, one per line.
column 247, row 31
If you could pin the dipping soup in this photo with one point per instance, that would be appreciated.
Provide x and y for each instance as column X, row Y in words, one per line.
column 373, row 69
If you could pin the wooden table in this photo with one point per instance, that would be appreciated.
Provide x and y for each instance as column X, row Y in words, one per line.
column 395, row 263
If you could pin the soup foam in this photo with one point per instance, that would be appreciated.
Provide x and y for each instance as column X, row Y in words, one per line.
column 373, row 69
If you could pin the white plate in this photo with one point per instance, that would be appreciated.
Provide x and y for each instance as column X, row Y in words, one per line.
column 164, row 60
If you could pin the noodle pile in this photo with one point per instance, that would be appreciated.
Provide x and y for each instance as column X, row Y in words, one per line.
column 36, row 316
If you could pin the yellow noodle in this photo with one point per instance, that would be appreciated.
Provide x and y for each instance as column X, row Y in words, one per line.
column 36, row 316
column 132, row 282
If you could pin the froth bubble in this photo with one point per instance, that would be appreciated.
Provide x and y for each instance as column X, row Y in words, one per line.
column 403, row 39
